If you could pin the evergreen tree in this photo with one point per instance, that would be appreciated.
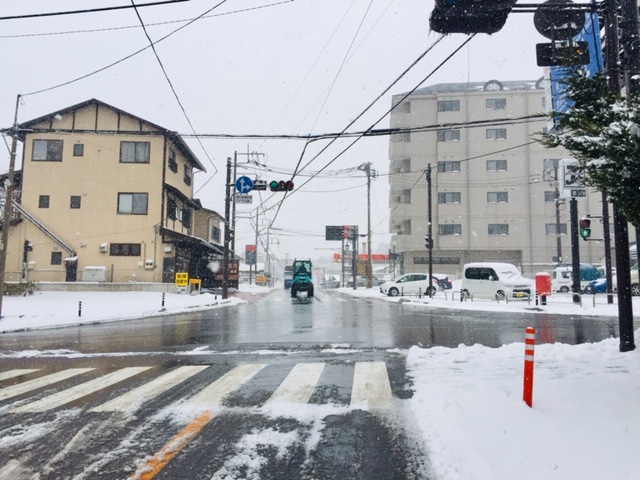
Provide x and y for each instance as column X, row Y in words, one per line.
column 602, row 131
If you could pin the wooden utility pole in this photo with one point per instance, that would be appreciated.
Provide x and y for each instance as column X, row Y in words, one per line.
column 366, row 167
column 8, row 207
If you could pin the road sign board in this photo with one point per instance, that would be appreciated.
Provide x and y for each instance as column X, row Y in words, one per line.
column 558, row 24
column 259, row 184
column 578, row 193
column 244, row 199
column 244, row 184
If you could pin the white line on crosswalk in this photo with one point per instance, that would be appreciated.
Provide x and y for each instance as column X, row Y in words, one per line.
column 79, row 391
column 371, row 388
column 16, row 373
column 299, row 384
column 15, row 390
column 212, row 396
column 149, row 390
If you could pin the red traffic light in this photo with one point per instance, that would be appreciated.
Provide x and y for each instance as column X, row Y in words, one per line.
column 281, row 186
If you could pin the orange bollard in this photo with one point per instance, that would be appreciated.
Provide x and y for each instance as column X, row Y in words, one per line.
column 529, row 345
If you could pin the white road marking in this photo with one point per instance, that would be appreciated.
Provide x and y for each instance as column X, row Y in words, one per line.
column 371, row 388
column 299, row 384
column 16, row 373
column 79, row 391
column 149, row 390
column 15, row 390
column 212, row 396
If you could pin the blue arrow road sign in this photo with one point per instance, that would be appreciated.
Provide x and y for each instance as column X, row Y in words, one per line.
column 244, row 184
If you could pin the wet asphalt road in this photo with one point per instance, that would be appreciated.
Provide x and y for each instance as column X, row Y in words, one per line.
column 273, row 389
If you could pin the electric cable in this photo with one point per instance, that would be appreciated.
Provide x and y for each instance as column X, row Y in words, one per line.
column 166, row 76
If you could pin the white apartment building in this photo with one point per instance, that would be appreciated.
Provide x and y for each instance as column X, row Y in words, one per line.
column 493, row 186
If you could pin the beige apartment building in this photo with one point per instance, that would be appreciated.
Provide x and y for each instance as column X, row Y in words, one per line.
column 102, row 191
column 493, row 186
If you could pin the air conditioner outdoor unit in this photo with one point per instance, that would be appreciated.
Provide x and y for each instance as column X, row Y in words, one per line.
column 148, row 264
column 104, row 247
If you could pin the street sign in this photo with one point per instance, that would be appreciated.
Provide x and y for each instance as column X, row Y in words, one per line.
column 557, row 55
column 244, row 199
column 334, row 233
column 259, row 184
column 244, row 184
column 250, row 254
column 578, row 193
column 559, row 24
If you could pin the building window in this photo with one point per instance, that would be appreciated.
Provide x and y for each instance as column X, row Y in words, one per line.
column 450, row 229
column 134, row 152
column 124, row 249
column 497, row 197
column 215, row 233
column 402, row 165
column 47, row 151
column 448, row 105
column 448, row 135
column 496, row 165
column 78, row 150
column 498, row 229
column 172, row 209
column 75, row 201
column 186, row 217
column 401, row 137
column 43, row 201
column 448, row 167
column 173, row 164
column 551, row 229
column 496, row 134
column 133, row 203
column 495, row 103
column 56, row 258
column 404, row 107
column 403, row 227
column 549, row 196
column 187, row 175
column 449, row 197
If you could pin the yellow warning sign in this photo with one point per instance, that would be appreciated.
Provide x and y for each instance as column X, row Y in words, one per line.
column 182, row 279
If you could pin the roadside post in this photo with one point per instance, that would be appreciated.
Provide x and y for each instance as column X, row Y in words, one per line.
column 529, row 345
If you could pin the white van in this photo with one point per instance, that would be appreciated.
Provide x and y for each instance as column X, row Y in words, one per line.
column 562, row 278
column 494, row 280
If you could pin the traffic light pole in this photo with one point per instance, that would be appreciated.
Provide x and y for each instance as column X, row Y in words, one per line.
column 575, row 249
column 429, row 228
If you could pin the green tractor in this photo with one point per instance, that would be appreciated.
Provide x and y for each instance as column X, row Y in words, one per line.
column 302, row 284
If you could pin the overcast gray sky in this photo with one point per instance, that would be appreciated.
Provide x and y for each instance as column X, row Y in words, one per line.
column 272, row 67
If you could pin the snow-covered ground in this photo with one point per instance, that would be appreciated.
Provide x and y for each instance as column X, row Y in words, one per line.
column 585, row 420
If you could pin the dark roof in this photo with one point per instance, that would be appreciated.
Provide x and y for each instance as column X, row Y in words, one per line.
column 24, row 128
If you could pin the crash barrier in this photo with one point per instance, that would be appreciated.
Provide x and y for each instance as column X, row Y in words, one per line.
column 529, row 346
column 469, row 296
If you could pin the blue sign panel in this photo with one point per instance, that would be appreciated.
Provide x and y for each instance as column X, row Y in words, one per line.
column 590, row 34
column 244, row 184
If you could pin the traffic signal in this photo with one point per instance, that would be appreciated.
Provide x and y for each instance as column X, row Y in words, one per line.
column 281, row 186
column 554, row 55
column 585, row 227
column 470, row 16
column 428, row 242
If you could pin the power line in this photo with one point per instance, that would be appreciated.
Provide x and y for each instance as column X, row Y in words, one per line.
column 90, row 10
column 166, row 76
column 155, row 24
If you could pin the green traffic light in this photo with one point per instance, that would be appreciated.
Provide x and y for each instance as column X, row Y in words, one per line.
column 274, row 186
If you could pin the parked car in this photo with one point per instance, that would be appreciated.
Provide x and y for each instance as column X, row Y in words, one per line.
column 494, row 280
column 562, row 278
column 600, row 285
column 410, row 283
column 443, row 281
column 362, row 281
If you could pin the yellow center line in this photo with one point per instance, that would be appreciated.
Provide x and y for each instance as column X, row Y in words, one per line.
column 172, row 448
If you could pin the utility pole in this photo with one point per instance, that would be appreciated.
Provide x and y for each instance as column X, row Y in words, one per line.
column 629, row 12
column 575, row 249
column 429, row 229
column 227, row 233
column 233, row 215
column 8, row 206
column 366, row 167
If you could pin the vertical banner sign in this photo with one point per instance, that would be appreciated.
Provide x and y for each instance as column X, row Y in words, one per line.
column 250, row 254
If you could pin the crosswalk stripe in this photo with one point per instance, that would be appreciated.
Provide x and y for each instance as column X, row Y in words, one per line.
column 30, row 385
column 79, row 391
column 213, row 395
column 149, row 390
column 371, row 388
column 299, row 384
column 16, row 373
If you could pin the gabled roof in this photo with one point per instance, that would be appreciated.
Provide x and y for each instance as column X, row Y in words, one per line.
column 26, row 127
